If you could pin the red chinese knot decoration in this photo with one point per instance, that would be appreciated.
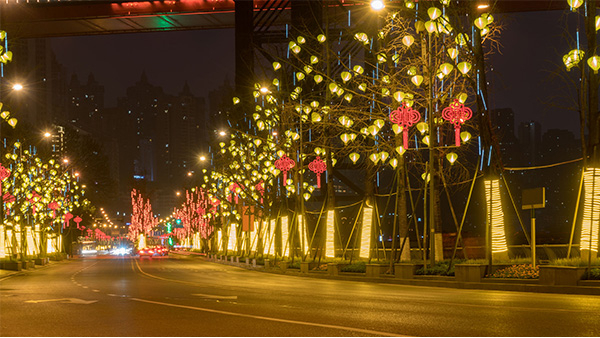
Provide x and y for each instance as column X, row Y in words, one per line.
column 53, row 205
column 68, row 217
column 405, row 117
column 78, row 220
column 285, row 164
column 457, row 114
column 318, row 167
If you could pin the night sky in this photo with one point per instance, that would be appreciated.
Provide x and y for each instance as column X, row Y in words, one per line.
column 532, row 48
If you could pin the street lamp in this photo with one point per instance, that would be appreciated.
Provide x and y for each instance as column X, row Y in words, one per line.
column 377, row 5
column 17, row 86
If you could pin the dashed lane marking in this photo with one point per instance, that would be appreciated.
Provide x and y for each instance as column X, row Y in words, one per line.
column 279, row 320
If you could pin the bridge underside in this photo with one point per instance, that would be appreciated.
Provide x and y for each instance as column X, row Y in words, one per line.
column 32, row 19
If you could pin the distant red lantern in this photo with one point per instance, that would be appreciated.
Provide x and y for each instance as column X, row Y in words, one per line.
column 53, row 205
column 457, row 114
column 318, row 166
column 4, row 174
column 405, row 117
column 68, row 217
column 284, row 164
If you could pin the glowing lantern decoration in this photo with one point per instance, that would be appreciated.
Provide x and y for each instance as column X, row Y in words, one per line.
column 300, row 76
column 404, row 116
column 284, row 164
column 381, row 57
column 431, row 27
column 594, row 63
column 417, row 80
column 453, row 53
column 461, row 39
column 408, row 40
column 362, row 37
column 318, row 167
column 574, row 4
column 465, row 136
column 434, row 13
column 236, row 100
column 451, row 157
column 597, row 22
column 457, row 114
column 446, row 68
column 422, row 127
column 53, row 205
column 480, row 22
column 394, row 163
column 318, row 78
column 354, row 157
column 346, row 76
column 77, row 220
column 321, row 38
column 314, row 59
column 400, row 150
column 572, row 58
column 68, row 217
column 276, row 65
column 464, row 67
column 4, row 174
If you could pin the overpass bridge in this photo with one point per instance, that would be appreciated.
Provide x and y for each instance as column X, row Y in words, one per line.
column 55, row 18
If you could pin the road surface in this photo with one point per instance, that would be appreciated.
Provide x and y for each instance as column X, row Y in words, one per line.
column 166, row 296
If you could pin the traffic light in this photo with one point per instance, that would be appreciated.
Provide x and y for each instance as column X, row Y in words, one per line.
column 178, row 221
column 171, row 241
column 169, row 227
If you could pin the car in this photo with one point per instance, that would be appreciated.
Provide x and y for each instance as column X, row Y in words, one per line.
column 161, row 250
column 146, row 252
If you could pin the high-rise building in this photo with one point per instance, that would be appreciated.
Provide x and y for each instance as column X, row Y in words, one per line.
column 530, row 139
column 86, row 105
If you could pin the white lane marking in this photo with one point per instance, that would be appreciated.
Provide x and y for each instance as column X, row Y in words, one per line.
column 96, row 290
column 63, row 301
column 213, row 296
column 297, row 322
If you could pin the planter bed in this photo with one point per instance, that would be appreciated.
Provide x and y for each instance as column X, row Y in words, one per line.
column 586, row 282
column 435, row 277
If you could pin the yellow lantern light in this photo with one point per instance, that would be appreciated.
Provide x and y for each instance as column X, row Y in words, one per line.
column 594, row 63
column 384, row 156
column 400, row 150
column 301, row 40
column 461, row 39
column 333, row 87
column 453, row 52
column 236, row 100
column 464, row 67
column 362, row 37
column 396, row 128
column 597, row 22
column 451, row 157
column 574, row 4
column 374, row 157
column 12, row 122
column 398, row 96
column 358, row 69
column 446, row 68
column 434, row 13
column 422, row 127
column 315, row 117
column 308, row 69
column 381, row 57
column 417, row 80
column 431, row 27
column 408, row 40
column 296, row 49
column 346, row 76
column 314, row 59
column 300, row 76
column 379, row 123
column 354, row 157
column 426, row 140
column 318, row 78
column 362, row 87
column 465, row 136
column 409, row 4
column 276, row 65
column 394, row 163
column 345, row 138
column 480, row 22
column 348, row 97
column 321, row 38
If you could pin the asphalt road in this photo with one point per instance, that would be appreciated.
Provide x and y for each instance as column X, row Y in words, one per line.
column 190, row 297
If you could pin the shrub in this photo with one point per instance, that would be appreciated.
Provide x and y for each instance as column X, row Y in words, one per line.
column 440, row 268
column 574, row 262
column 295, row 265
column 525, row 271
column 593, row 275
column 355, row 267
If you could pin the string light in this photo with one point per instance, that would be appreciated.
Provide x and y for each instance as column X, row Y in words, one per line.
column 365, row 237
column 496, row 215
column 329, row 244
column 591, row 211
